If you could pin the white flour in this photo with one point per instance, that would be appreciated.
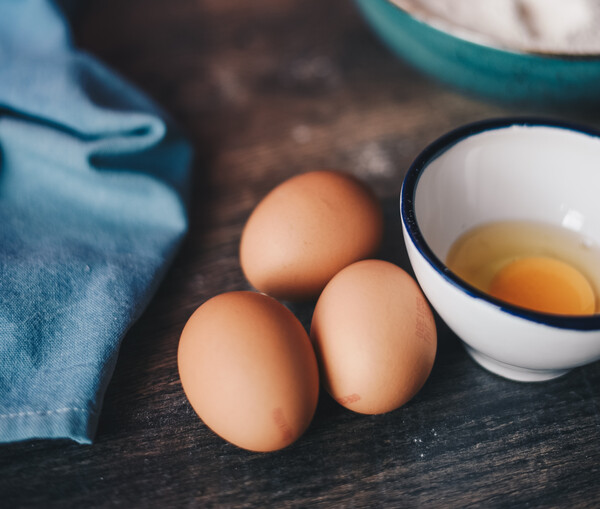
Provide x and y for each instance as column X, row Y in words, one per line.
column 543, row 26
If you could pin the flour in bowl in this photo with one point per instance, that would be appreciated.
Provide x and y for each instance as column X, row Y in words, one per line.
column 541, row 26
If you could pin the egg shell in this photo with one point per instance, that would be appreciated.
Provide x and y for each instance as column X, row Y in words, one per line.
column 248, row 369
column 375, row 337
column 306, row 230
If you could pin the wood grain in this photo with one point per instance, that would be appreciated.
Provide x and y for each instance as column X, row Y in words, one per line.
column 265, row 90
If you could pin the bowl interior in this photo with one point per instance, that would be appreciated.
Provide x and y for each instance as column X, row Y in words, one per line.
column 555, row 28
column 516, row 172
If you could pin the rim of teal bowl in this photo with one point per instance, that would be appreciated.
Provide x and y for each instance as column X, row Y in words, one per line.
column 485, row 71
column 409, row 220
column 517, row 52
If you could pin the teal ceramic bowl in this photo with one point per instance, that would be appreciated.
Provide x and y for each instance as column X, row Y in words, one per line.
column 493, row 72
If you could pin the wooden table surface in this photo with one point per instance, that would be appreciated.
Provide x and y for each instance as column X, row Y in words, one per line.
column 265, row 90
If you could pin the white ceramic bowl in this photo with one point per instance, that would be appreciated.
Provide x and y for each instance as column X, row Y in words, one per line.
column 505, row 169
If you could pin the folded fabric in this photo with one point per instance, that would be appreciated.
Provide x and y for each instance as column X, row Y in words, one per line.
column 92, row 210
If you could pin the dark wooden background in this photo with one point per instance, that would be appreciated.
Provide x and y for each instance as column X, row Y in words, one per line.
column 267, row 89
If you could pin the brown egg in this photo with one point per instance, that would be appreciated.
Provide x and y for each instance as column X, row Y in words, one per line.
column 375, row 337
column 249, row 370
column 306, row 230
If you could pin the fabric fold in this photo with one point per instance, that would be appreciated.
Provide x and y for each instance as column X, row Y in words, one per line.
column 92, row 210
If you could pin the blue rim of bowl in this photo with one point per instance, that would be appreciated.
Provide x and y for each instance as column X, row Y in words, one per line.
column 407, row 211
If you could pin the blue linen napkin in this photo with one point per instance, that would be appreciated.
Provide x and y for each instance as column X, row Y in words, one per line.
column 92, row 181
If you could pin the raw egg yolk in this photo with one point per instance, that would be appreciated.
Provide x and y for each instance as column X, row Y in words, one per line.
column 544, row 284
